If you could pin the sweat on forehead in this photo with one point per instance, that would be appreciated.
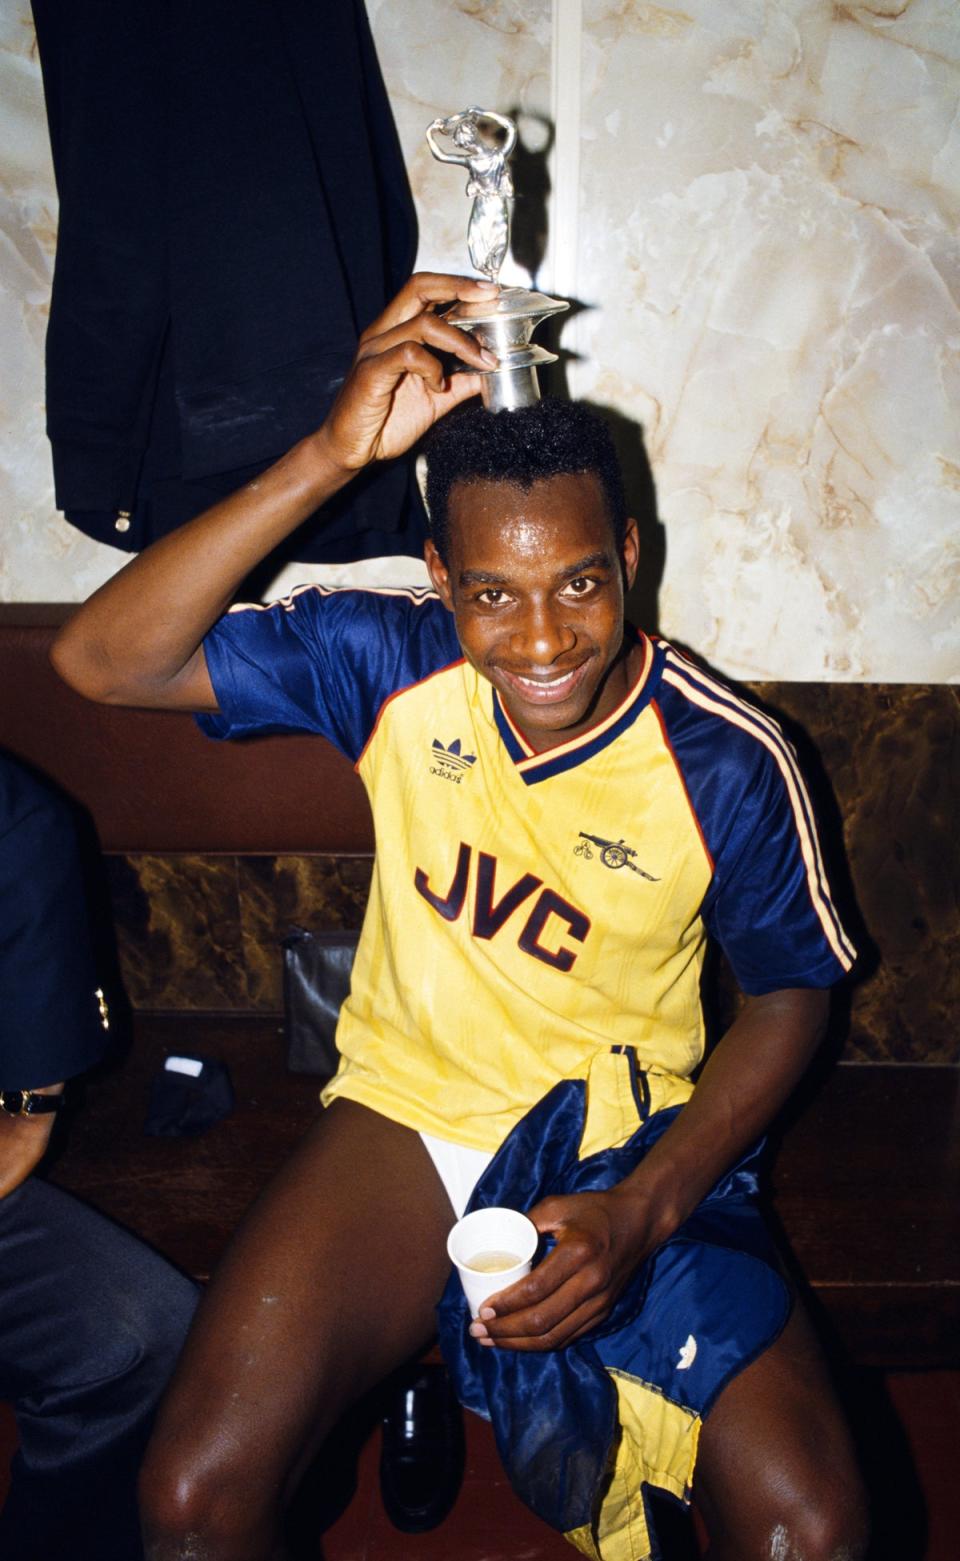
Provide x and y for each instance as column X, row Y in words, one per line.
column 549, row 439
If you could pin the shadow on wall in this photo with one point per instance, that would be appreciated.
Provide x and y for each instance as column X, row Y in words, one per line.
column 642, row 603
column 528, row 245
column 530, row 172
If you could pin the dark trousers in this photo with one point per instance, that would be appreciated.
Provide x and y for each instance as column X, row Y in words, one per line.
column 91, row 1324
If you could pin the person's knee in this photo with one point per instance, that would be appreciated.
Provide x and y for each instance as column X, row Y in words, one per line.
column 201, row 1500
column 827, row 1524
column 176, row 1501
column 784, row 1517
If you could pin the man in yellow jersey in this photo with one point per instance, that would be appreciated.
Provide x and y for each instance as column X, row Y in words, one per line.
column 565, row 809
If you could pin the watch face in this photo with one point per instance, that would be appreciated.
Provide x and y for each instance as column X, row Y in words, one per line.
column 11, row 1101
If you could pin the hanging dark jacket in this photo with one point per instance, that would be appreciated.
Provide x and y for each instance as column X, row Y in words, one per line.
column 234, row 210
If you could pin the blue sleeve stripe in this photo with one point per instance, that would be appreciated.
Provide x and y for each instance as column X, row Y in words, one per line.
column 785, row 754
column 704, row 691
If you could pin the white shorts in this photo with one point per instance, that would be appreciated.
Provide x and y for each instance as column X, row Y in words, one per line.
column 458, row 1167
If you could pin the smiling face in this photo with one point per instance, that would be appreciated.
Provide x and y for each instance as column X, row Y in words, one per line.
column 536, row 584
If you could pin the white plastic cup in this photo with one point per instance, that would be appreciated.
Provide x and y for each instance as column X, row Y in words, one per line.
column 486, row 1232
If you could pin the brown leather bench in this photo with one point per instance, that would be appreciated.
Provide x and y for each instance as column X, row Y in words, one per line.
column 151, row 781
column 866, row 1176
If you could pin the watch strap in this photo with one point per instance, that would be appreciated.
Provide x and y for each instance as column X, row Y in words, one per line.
column 28, row 1102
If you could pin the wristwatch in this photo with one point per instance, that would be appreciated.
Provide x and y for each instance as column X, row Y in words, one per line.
column 28, row 1102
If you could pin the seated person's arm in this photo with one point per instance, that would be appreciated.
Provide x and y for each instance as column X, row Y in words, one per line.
column 138, row 640
column 747, row 1079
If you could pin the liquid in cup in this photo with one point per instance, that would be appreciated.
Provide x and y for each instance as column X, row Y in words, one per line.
column 493, row 1262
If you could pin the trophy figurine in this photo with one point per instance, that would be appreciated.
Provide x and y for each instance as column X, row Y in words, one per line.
column 506, row 325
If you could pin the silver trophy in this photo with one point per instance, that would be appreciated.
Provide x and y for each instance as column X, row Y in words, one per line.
column 506, row 325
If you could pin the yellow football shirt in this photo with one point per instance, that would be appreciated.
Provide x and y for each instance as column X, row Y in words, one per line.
column 528, row 911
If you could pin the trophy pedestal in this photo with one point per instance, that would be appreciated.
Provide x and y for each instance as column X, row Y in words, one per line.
column 506, row 327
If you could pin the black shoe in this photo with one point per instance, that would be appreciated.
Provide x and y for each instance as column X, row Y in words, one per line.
column 422, row 1455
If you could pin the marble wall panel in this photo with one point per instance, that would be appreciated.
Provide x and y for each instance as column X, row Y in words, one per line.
column 764, row 235
column 178, row 931
column 202, row 933
column 768, row 246
column 884, row 769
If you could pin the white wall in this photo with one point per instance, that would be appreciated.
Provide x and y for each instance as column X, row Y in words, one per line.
column 758, row 201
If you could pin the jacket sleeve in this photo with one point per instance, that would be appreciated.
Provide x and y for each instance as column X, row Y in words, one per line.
column 50, row 1026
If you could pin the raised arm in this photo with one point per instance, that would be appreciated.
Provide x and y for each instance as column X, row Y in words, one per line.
column 138, row 640
column 510, row 133
column 440, row 127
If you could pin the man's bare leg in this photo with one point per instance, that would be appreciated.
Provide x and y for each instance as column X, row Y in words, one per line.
column 777, row 1478
column 329, row 1284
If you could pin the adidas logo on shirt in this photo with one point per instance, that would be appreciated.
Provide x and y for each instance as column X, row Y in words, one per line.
column 451, row 763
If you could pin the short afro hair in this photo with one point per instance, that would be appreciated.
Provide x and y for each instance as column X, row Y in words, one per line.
column 529, row 445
